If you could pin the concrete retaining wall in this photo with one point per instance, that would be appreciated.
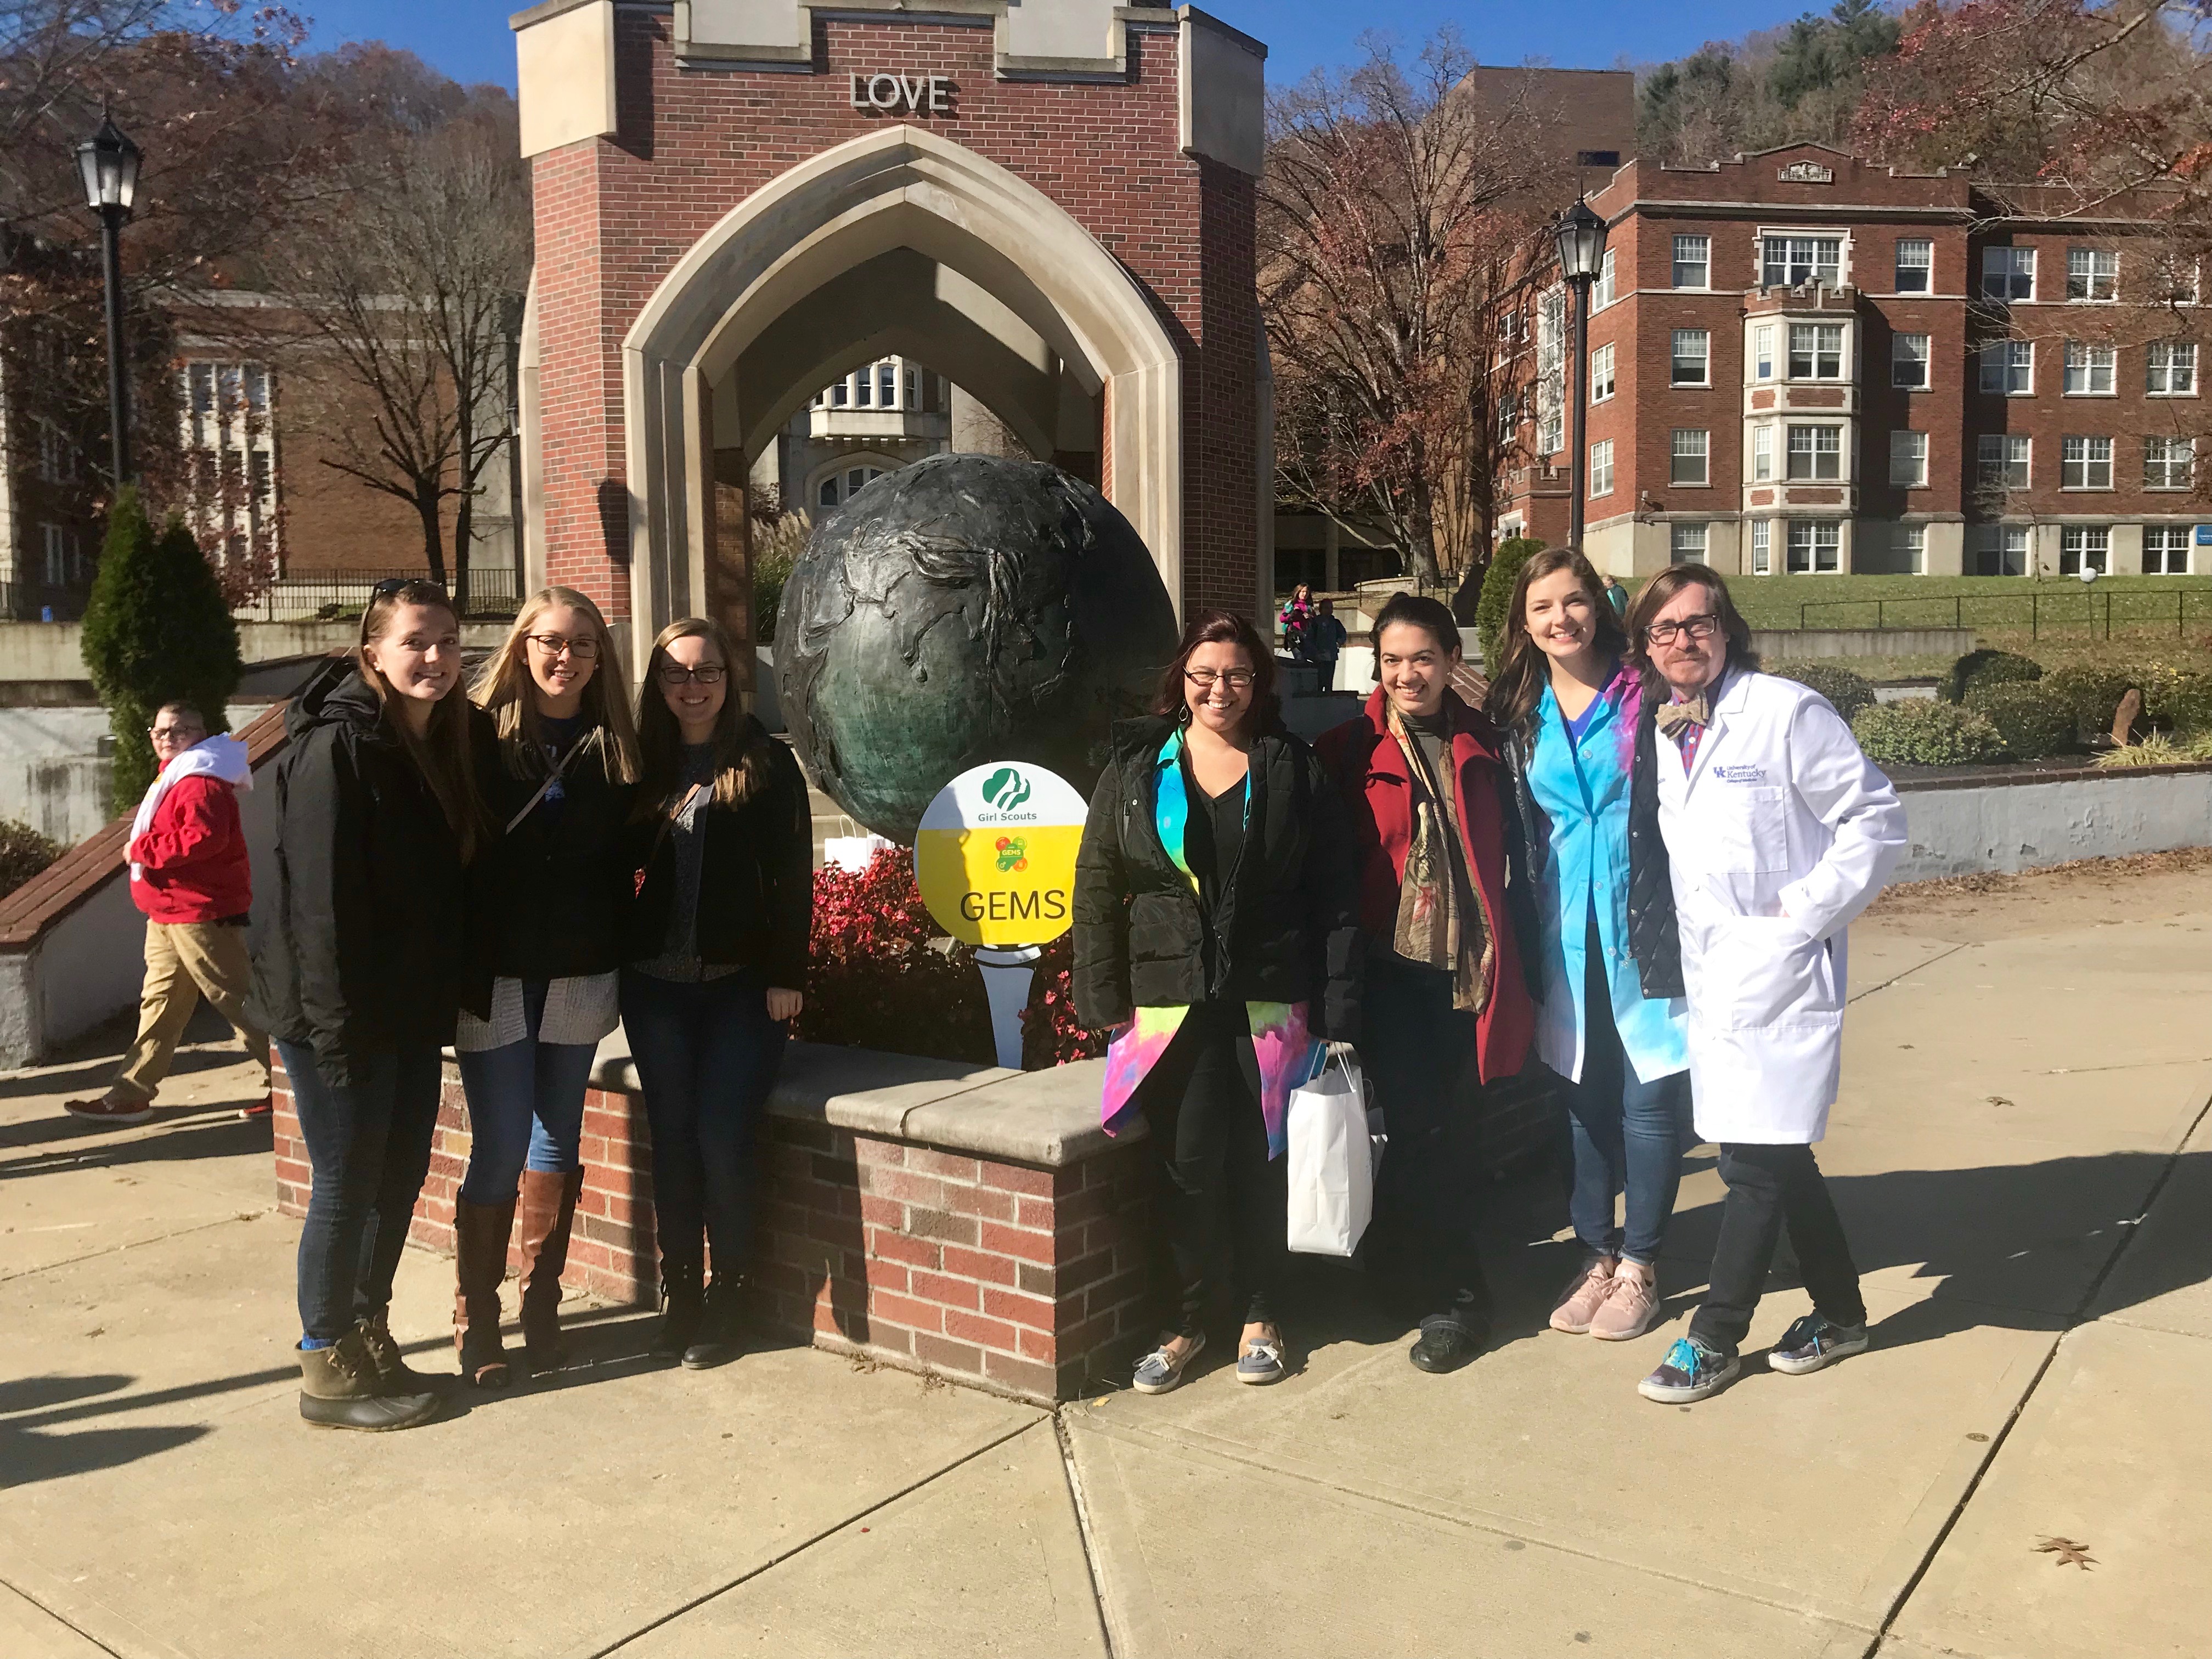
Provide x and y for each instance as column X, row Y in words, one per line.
column 1800, row 645
column 1964, row 826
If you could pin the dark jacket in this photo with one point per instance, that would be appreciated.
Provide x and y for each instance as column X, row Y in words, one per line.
column 554, row 891
column 1653, row 938
column 366, row 946
column 1286, row 920
column 755, row 882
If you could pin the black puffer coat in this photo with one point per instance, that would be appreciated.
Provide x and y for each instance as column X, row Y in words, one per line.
column 1288, row 922
column 554, row 892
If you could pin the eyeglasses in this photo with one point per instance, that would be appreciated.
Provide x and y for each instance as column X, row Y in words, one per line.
column 583, row 650
column 176, row 731
column 1237, row 679
column 421, row 585
column 707, row 673
column 1696, row 630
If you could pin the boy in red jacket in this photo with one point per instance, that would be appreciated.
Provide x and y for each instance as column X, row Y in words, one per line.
column 189, row 874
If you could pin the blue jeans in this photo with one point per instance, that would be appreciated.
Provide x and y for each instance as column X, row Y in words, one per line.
column 707, row 1056
column 369, row 1145
column 1627, row 1133
column 525, row 1107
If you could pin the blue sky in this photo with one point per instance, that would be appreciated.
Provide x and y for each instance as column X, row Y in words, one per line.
column 469, row 38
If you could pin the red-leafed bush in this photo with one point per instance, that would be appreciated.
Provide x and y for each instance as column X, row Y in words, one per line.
column 1051, row 1034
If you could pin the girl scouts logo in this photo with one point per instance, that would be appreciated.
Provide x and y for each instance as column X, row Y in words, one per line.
column 1006, row 789
column 995, row 855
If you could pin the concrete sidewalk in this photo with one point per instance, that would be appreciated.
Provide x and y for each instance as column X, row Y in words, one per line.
column 2021, row 1156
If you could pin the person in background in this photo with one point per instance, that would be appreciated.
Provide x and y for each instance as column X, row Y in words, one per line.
column 1617, row 596
column 1298, row 615
column 1421, row 779
column 561, row 763
column 1778, row 832
column 1325, row 639
column 190, row 875
column 721, row 846
column 363, row 973
column 1216, row 937
column 1610, row 1022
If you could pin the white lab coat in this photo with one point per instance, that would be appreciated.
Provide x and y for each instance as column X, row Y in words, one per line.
column 1779, row 833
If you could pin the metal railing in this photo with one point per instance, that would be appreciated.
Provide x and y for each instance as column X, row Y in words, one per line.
column 331, row 595
column 2085, row 610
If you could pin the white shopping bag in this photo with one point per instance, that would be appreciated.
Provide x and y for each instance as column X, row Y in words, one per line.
column 1332, row 1159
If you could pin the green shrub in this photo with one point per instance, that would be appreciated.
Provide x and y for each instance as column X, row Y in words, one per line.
column 2092, row 691
column 1847, row 691
column 1498, row 595
column 2033, row 723
column 156, row 629
column 1926, row 732
column 2186, row 705
column 1987, row 668
column 23, row 852
column 776, row 547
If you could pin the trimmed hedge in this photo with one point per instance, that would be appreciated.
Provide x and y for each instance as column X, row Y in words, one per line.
column 2033, row 723
column 1498, row 594
column 23, row 853
column 2092, row 691
column 1926, row 732
column 2187, row 707
column 1987, row 668
column 1846, row 691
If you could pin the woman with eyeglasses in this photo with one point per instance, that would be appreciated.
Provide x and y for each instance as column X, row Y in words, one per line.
column 1609, row 968
column 1215, row 935
column 550, row 908
column 1446, row 1005
column 360, row 979
column 721, row 843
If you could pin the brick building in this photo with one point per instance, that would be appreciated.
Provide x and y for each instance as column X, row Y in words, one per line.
column 1800, row 363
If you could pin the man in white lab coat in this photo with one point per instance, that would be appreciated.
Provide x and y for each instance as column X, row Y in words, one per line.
column 1779, row 831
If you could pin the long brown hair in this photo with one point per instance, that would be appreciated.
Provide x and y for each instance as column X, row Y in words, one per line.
column 1654, row 598
column 502, row 691
column 1523, row 671
column 745, row 754
column 443, row 751
column 1212, row 626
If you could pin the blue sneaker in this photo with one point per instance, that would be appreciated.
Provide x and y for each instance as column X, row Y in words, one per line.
column 1262, row 1360
column 1162, row 1369
column 1813, row 1341
column 1690, row 1372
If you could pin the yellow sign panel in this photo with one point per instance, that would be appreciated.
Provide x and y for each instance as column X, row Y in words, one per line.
column 995, row 854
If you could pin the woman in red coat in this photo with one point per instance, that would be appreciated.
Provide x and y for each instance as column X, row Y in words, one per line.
column 1420, row 772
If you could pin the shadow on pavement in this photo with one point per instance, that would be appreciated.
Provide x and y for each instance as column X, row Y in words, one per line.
column 178, row 1134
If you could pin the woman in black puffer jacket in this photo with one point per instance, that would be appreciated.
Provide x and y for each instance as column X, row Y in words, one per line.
column 1217, row 931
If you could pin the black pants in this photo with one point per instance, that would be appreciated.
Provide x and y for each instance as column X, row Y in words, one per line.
column 1768, row 1186
column 1417, row 1048
column 1201, row 1103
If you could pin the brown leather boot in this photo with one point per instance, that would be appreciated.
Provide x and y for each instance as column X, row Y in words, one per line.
column 480, row 1235
column 549, row 1215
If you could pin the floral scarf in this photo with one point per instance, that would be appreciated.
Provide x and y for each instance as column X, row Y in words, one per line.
column 1439, row 922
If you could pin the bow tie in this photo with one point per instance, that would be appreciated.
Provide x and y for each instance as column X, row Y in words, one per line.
column 1671, row 717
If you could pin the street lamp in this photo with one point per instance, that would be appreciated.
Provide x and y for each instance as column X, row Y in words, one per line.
column 109, row 164
column 1581, row 236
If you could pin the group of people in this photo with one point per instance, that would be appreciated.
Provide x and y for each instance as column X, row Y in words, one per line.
column 1638, row 859
column 1313, row 630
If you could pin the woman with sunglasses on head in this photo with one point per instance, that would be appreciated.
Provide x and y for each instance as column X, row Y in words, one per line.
column 721, row 841
column 363, row 973
column 552, row 906
column 1609, row 969
column 1215, row 935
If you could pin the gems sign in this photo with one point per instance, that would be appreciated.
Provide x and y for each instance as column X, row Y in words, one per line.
column 917, row 95
column 995, row 855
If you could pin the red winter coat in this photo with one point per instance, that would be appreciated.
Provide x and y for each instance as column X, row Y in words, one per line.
column 1370, row 769
column 193, row 854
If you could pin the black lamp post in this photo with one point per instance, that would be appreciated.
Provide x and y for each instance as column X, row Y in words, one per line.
column 1581, row 236
column 109, row 163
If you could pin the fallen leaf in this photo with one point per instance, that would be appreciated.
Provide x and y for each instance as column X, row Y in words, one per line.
column 2070, row 1553
column 1997, row 1100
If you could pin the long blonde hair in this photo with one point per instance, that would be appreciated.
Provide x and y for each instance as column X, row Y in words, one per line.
column 502, row 691
column 743, row 753
column 442, row 753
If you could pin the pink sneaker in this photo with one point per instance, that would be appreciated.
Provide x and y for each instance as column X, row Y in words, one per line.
column 1630, row 1304
column 1584, row 1296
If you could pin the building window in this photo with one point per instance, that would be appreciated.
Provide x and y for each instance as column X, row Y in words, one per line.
column 1762, row 548
column 2169, row 463
column 1816, row 452
column 1816, row 351
column 1602, row 296
column 1690, row 463
column 2170, row 368
column 829, row 495
column 914, row 388
column 199, row 387
column 1688, row 543
column 1815, row 546
column 1762, row 351
column 1762, row 453
column 56, row 455
column 1792, row 261
column 1552, row 371
column 2085, row 545
column 1693, row 261
column 1908, row 550
column 1601, row 375
column 840, row 395
column 2085, row 463
column 1600, row 467
column 2174, row 282
column 1908, row 360
column 2092, row 273
column 887, row 385
column 864, row 389
column 1999, row 549
column 1915, row 262
column 1692, row 358
column 2090, row 369
column 261, row 478
column 2166, row 549
column 2004, row 460
column 57, row 547
column 2007, row 273
column 2009, row 369
column 1908, row 459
